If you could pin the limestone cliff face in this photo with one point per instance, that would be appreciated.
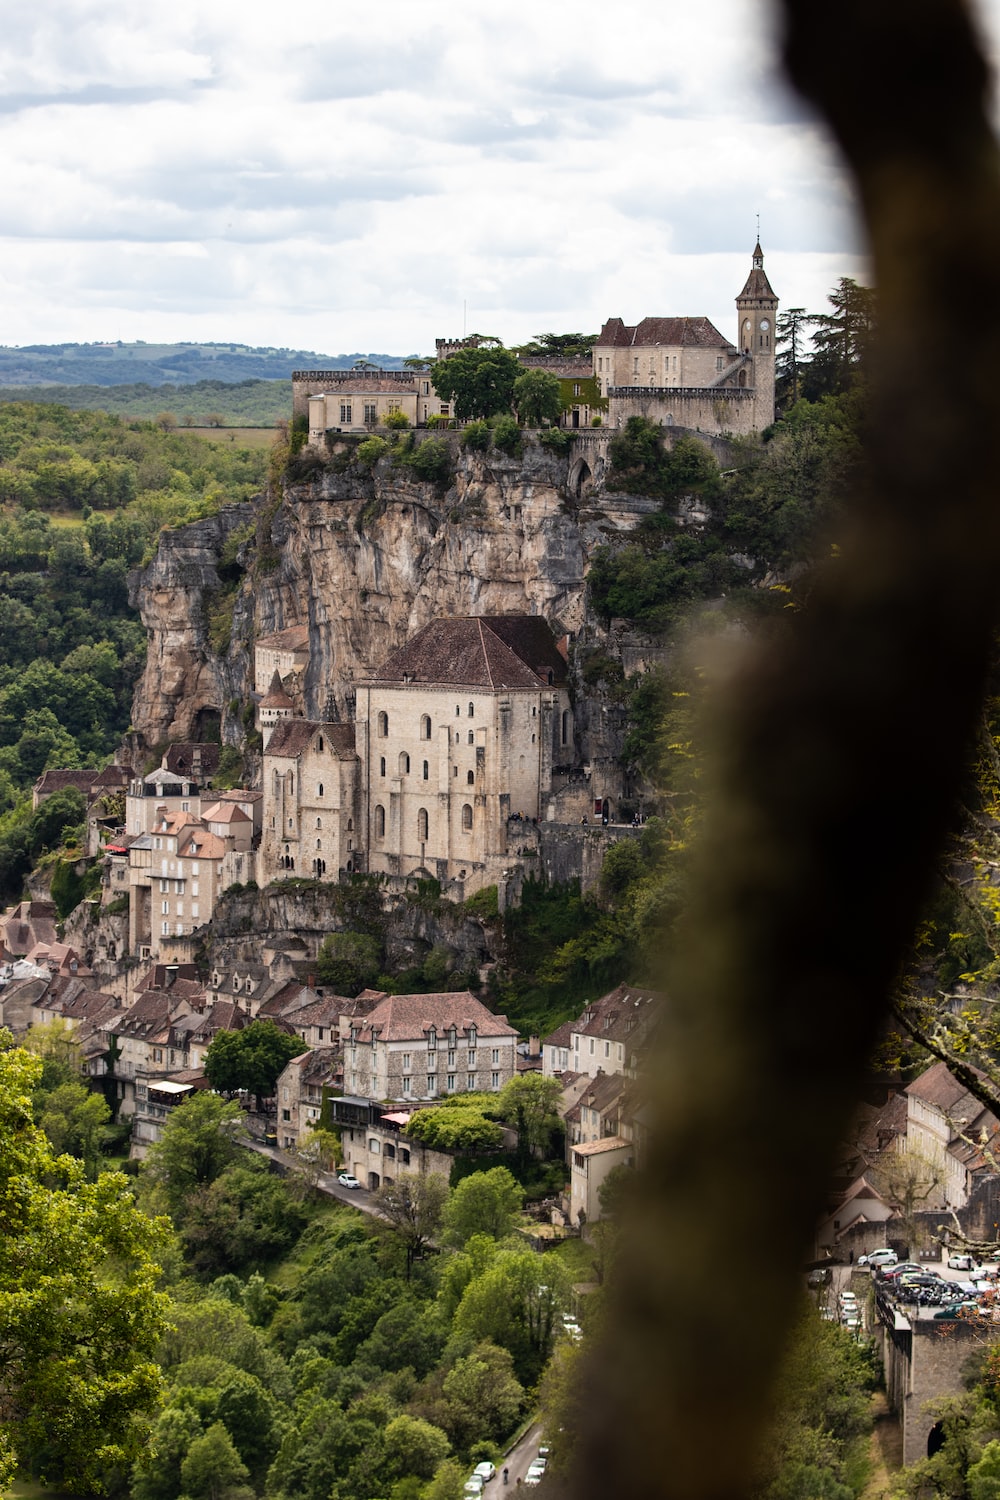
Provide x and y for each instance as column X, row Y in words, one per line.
column 365, row 560
column 185, row 682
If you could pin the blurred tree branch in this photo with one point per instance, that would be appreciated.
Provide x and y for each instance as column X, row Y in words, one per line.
column 817, row 821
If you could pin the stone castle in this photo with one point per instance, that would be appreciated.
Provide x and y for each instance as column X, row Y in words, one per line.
column 677, row 371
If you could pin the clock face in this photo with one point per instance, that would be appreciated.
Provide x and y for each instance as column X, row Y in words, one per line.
column 764, row 324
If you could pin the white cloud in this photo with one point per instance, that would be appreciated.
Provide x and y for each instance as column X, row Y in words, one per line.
column 343, row 180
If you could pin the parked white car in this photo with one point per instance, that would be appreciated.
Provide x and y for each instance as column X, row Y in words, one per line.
column 347, row 1180
column 882, row 1257
column 485, row 1471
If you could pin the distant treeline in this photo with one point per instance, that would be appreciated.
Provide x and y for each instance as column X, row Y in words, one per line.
column 250, row 403
column 182, row 364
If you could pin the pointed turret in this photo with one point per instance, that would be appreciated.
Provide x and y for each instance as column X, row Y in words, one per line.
column 756, row 311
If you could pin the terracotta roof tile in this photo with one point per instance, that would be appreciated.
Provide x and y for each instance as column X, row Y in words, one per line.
column 291, row 737
column 495, row 652
column 292, row 638
column 400, row 1016
column 676, row 332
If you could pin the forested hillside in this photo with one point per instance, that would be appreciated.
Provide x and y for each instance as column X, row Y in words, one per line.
column 84, row 497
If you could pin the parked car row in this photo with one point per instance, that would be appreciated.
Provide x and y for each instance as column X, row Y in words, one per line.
column 480, row 1476
column 917, row 1286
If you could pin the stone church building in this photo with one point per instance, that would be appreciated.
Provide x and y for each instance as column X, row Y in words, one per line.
column 458, row 732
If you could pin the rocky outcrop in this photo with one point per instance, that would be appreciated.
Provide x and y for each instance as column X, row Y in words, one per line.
column 185, row 684
column 365, row 559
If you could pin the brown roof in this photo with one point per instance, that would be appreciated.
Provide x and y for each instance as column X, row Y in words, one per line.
column 291, row 737
column 757, row 283
column 181, row 757
column 495, row 652
column 224, row 812
column 292, row 638
column 398, row 1017
column 58, row 781
column 116, row 776
column 276, row 697
column 677, row 332
column 938, row 1087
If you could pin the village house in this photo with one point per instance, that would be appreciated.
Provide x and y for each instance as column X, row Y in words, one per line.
column 177, row 871
column 947, row 1127
column 458, row 733
column 426, row 1046
column 299, row 1093
column 606, row 1037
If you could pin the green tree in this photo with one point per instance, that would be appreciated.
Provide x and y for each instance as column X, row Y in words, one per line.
column 841, row 339
column 528, row 1102
column 483, row 1203
column 410, row 1211
column 245, row 1218
column 789, row 334
column 196, row 1145
column 252, row 1059
column 485, row 1393
column 156, row 1474
column 448, row 1482
column 459, row 1127
column 413, row 1446
column 514, row 1303
column 480, row 381
column 537, row 398
column 76, row 1120
column 348, row 961
column 80, row 1318
column 212, row 1469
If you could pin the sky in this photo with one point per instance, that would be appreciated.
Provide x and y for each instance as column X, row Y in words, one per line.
column 371, row 177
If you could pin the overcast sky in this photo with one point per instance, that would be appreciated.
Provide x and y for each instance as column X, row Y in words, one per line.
column 370, row 177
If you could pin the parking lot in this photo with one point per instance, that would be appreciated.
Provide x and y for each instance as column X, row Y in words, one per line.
column 918, row 1290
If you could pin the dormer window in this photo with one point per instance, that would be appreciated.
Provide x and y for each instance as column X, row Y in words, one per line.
column 432, row 1039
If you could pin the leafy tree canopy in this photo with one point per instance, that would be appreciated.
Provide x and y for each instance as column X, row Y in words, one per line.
column 251, row 1059
column 480, row 381
column 82, row 1319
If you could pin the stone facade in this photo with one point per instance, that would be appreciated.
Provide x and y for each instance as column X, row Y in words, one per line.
column 683, row 372
column 312, row 808
column 457, row 732
column 424, row 1046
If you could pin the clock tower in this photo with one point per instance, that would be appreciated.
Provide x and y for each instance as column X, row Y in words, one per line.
column 756, row 312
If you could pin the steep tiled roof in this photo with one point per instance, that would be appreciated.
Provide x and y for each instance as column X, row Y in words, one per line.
column 479, row 651
column 292, row 736
column 400, row 1016
column 292, row 638
column 276, row 697
column 938, row 1087
column 677, row 332
column 223, row 812
column 757, row 283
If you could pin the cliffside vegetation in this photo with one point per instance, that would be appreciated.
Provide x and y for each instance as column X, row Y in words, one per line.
column 84, row 497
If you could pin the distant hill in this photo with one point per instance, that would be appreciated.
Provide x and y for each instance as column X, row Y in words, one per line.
column 163, row 364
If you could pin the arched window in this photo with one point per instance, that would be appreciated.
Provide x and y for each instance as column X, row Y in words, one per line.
column 458, row 710
column 404, row 764
column 291, row 784
column 422, row 825
column 472, row 738
column 425, row 727
column 472, row 710
column 458, row 736
column 319, row 843
column 381, row 765
column 350, row 825
column 466, row 816
column 319, row 743
column 383, row 725
column 319, row 822
column 427, row 772
column 470, row 777
column 319, row 790
column 380, row 822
